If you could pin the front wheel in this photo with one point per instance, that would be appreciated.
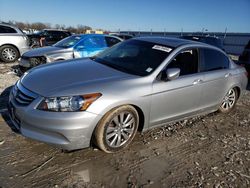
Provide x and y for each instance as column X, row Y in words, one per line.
column 229, row 101
column 117, row 129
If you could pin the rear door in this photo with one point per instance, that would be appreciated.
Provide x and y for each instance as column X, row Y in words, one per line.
column 215, row 66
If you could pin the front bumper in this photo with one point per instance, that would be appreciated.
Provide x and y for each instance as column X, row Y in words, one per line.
column 65, row 130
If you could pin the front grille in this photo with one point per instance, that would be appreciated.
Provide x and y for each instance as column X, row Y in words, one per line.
column 22, row 96
column 34, row 61
column 23, row 99
column 13, row 116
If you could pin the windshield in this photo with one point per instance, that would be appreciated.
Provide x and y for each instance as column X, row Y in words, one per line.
column 68, row 42
column 134, row 57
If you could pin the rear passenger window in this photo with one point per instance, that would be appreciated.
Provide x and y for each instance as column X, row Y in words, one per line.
column 111, row 41
column 213, row 60
column 4, row 29
column 186, row 61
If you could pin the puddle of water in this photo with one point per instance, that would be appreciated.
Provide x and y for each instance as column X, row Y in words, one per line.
column 148, row 171
column 100, row 171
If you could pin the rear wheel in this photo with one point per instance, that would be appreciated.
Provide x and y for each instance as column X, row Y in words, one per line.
column 229, row 101
column 117, row 129
column 8, row 53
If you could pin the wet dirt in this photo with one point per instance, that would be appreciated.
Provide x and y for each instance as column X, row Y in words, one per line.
column 207, row 151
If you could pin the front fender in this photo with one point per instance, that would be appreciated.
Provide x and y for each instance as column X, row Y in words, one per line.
column 105, row 105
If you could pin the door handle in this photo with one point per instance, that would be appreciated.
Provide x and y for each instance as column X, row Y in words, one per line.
column 228, row 75
column 198, row 81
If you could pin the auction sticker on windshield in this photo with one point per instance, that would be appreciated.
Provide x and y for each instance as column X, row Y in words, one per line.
column 162, row 48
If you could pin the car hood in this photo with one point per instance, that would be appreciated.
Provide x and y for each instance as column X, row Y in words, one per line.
column 70, row 77
column 45, row 51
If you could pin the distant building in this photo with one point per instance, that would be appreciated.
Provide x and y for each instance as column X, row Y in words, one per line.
column 94, row 31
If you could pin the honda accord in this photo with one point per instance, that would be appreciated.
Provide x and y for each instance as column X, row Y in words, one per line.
column 133, row 86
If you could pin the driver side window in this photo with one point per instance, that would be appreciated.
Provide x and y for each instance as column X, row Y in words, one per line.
column 186, row 61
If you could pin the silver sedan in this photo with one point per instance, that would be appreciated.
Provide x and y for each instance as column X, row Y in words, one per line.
column 75, row 46
column 133, row 86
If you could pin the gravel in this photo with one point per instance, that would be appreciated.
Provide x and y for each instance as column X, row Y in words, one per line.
column 206, row 151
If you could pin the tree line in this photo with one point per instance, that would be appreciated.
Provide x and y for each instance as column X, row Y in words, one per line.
column 39, row 26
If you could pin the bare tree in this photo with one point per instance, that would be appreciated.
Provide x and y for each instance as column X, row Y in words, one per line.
column 39, row 26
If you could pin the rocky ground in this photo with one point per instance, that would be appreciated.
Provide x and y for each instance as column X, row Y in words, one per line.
column 207, row 151
column 8, row 76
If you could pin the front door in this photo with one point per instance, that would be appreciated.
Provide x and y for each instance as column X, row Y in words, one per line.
column 180, row 97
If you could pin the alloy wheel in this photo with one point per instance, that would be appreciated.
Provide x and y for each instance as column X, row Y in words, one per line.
column 9, row 54
column 229, row 100
column 120, row 129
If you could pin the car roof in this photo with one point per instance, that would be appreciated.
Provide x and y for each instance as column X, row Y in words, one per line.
column 92, row 35
column 211, row 40
column 8, row 25
column 168, row 41
column 55, row 30
column 200, row 36
column 120, row 34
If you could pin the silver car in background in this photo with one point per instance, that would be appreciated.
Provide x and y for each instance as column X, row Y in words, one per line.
column 135, row 85
column 75, row 46
column 13, row 43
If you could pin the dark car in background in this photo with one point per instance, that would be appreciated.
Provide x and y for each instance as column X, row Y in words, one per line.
column 244, row 58
column 48, row 36
column 215, row 41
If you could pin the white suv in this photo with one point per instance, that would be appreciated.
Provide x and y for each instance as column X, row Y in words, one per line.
column 13, row 43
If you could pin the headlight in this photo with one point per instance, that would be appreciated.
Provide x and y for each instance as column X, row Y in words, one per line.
column 68, row 104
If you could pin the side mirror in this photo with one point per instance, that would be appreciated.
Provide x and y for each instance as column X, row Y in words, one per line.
column 172, row 73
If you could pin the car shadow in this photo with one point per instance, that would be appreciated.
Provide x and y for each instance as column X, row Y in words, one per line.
column 4, row 97
column 14, row 67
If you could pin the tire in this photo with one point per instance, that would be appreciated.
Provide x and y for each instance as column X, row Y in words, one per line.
column 9, row 53
column 229, row 101
column 117, row 129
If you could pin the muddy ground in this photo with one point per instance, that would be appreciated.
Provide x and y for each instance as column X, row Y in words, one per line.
column 208, row 151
